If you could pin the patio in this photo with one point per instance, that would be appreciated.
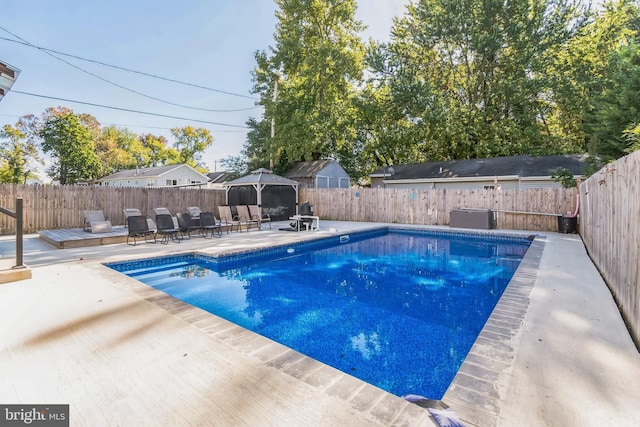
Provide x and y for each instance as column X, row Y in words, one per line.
column 121, row 354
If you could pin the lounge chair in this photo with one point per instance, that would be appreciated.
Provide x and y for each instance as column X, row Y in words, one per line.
column 166, row 229
column 161, row 211
column 227, row 219
column 256, row 213
column 139, row 228
column 208, row 223
column 186, row 224
column 136, row 212
column 245, row 218
column 95, row 222
column 194, row 211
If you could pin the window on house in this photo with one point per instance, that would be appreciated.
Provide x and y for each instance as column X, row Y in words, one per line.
column 489, row 187
column 171, row 182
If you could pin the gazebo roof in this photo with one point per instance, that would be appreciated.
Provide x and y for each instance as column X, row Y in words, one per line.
column 261, row 176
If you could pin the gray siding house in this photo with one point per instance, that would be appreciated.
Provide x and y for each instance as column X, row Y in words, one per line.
column 512, row 172
column 319, row 174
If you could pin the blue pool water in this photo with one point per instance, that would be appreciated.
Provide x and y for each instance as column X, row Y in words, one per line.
column 398, row 309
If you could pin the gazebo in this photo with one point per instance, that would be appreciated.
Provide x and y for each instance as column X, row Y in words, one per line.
column 277, row 196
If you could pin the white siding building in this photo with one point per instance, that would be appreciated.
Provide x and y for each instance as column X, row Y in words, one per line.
column 161, row 176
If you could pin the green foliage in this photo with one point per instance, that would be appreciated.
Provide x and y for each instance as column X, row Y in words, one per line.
column 565, row 178
column 459, row 79
column 190, row 143
column 120, row 149
column 18, row 156
column 633, row 136
column 315, row 64
column 470, row 77
column 157, row 151
column 236, row 166
column 82, row 150
column 71, row 146
column 613, row 120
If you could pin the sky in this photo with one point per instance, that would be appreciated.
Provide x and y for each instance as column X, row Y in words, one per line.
column 210, row 43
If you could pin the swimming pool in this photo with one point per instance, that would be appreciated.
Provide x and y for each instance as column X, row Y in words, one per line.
column 399, row 309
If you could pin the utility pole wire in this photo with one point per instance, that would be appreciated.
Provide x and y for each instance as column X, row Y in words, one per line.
column 128, row 110
column 48, row 52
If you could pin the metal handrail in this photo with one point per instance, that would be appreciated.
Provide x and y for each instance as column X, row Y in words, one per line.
column 18, row 215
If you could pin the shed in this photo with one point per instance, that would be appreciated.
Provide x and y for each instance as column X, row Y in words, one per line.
column 509, row 172
column 325, row 173
column 278, row 196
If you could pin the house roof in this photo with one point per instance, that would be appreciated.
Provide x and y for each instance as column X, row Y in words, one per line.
column 308, row 169
column 261, row 176
column 153, row 172
column 8, row 76
column 217, row 177
column 521, row 166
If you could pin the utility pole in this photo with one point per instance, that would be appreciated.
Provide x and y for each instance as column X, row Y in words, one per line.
column 273, row 119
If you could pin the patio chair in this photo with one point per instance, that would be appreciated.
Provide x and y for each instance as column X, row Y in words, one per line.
column 139, row 228
column 194, row 211
column 136, row 212
column 256, row 213
column 95, row 222
column 208, row 223
column 245, row 218
column 186, row 224
column 227, row 219
column 166, row 229
column 160, row 211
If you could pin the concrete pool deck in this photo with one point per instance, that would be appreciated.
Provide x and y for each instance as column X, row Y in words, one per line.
column 120, row 354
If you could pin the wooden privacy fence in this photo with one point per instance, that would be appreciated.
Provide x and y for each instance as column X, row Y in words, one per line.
column 51, row 207
column 530, row 209
column 58, row 207
column 610, row 216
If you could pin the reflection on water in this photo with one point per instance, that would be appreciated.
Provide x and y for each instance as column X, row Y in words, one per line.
column 190, row 272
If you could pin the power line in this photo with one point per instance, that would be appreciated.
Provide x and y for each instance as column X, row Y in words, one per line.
column 48, row 52
column 25, row 43
column 128, row 110
column 120, row 125
column 130, row 70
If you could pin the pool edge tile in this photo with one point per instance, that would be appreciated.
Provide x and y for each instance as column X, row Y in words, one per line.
column 475, row 400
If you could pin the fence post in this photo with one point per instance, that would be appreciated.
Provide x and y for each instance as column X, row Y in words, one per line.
column 19, row 230
column 19, row 233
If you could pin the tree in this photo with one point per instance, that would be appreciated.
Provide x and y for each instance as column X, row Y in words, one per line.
column 158, row 151
column 586, row 68
column 190, row 143
column 315, row 66
column 119, row 149
column 236, row 166
column 611, row 112
column 71, row 146
column 18, row 156
column 614, row 121
column 469, row 78
column 257, row 147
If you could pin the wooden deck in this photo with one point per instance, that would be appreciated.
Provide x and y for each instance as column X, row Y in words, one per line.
column 78, row 238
